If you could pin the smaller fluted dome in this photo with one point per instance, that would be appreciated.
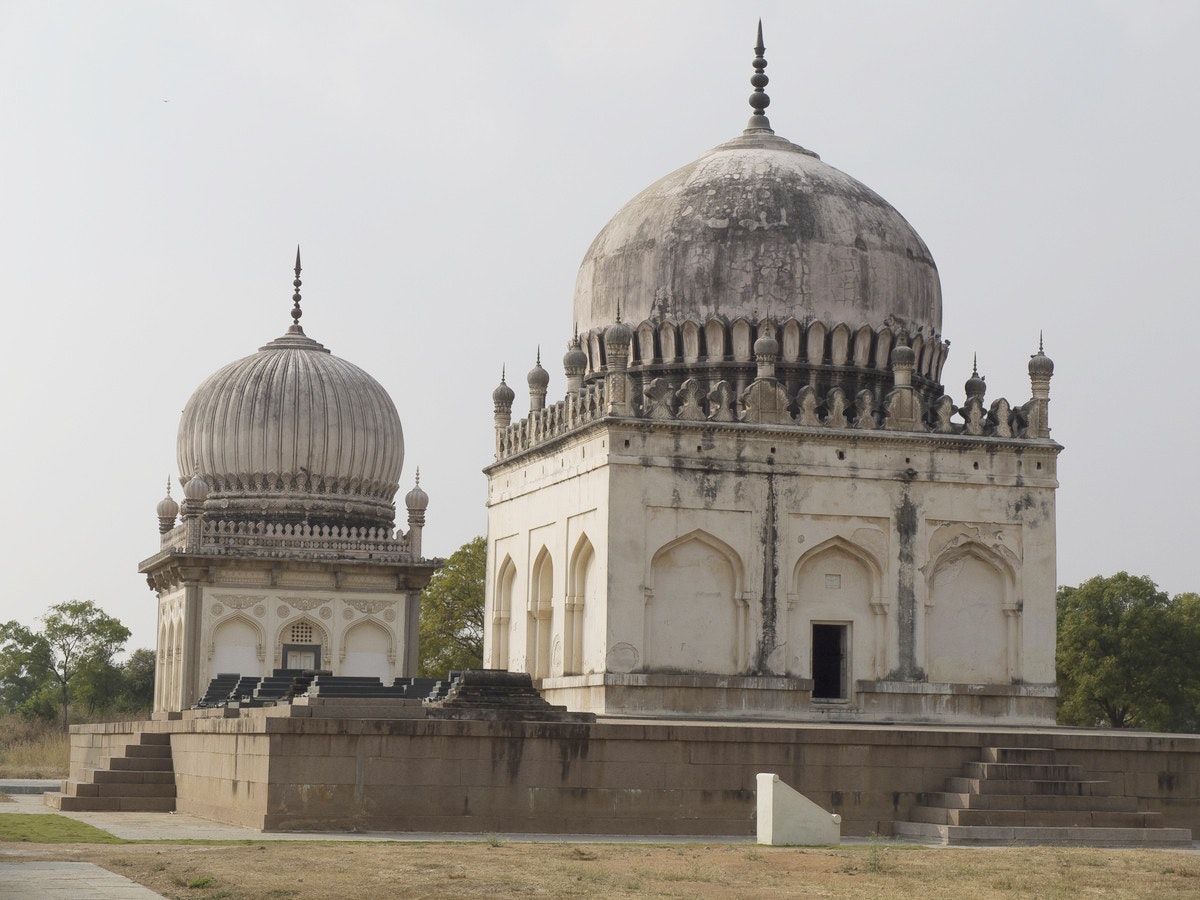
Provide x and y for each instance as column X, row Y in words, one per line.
column 575, row 360
column 975, row 385
column 766, row 345
column 416, row 500
column 167, row 507
column 617, row 337
column 903, row 355
column 196, row 489
column 503, row 395
column 538, row 378
column 1040, row 364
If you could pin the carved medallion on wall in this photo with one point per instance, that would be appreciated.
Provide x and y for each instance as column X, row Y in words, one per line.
column 389, row 615
column 217, row 609
column 326, row 612
column 260, row 611
column 283, row 612
column 347, row 614
column 622, row 658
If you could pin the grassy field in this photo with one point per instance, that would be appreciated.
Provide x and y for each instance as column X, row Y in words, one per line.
column 30, row 748
column 269, row 870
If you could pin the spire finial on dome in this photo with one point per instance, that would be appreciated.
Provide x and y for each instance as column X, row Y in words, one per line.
column 297, row 312
column 976, row 386
column 618, row 310
column 759, row 100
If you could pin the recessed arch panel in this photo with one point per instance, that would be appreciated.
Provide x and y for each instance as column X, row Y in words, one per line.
column 695, row 616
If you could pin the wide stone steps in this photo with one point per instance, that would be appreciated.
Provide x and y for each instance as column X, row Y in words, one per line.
column 1061, row 818
column 980, row 836
column 1028, row 786
column 143, row 780
column 1018, row 795
column 1094, row 802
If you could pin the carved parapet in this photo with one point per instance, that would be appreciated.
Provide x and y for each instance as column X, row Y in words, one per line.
column 902, row 410
column 299, row 540
column 766, row 402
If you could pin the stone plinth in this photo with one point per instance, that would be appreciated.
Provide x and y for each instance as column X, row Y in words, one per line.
column 280, row 769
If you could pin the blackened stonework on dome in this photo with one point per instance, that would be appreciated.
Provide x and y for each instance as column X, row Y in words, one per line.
column 760, row 227
column 293, row 433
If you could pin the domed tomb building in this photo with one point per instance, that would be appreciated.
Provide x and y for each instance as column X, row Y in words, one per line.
column 755, row 498
column 284, row 552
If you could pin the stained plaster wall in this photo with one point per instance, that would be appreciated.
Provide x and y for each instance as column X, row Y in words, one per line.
column 946, row 540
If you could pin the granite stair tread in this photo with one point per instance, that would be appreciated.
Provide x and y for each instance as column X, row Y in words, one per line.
column 142, row 780
column 1022, row 795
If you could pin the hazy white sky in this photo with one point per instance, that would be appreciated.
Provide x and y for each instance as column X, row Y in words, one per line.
column 445, row 166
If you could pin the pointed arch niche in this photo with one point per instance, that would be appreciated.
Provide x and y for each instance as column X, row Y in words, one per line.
column 236, row 646
column 368, row 651
column 580, row 601
column 836, row 623
column 695, row 609
column 971, row 617
column 502, row 613
column 540, row 616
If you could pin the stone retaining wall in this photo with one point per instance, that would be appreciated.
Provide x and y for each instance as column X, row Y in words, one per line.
column 286, row 769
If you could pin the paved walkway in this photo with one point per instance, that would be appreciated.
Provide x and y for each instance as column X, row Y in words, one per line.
column 67, row 881
column 151, row 826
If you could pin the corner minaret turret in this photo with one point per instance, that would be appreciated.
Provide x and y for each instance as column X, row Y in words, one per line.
column 538, row 380
column 1041, row 370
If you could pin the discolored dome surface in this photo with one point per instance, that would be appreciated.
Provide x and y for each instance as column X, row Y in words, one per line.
column 759, row 227
column 293, row 432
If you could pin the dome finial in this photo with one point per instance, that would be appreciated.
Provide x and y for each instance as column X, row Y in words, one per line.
column 296, row 311
column 759, row 100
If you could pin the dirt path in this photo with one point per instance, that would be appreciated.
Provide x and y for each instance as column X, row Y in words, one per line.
column 365, row 871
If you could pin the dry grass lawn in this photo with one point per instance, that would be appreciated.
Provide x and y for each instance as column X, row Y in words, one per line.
column 32, row 749
column 363, row 871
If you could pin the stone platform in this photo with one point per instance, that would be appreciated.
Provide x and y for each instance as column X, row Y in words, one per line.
column 390, row 766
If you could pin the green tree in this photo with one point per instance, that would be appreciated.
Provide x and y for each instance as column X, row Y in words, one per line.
column 452, row 613
column 1124, row 655
column 76, row 637
column 137, row 681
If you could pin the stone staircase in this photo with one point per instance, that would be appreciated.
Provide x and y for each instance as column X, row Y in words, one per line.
column 1022, row 796
column 143, row 780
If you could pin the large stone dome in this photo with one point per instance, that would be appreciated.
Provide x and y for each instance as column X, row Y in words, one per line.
column 293, row 433
column 761, row 228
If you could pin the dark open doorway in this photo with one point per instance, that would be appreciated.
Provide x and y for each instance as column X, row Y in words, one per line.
column 829, row 662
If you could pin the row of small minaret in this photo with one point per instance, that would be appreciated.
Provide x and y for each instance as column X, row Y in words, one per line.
column 618, row 337
column 195, row 492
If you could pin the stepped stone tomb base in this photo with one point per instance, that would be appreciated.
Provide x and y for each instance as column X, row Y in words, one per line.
column 397, row 764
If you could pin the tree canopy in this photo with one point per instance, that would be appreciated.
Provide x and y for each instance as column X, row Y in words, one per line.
column 452, row 613
column 1126, row 655
column 70, row 658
